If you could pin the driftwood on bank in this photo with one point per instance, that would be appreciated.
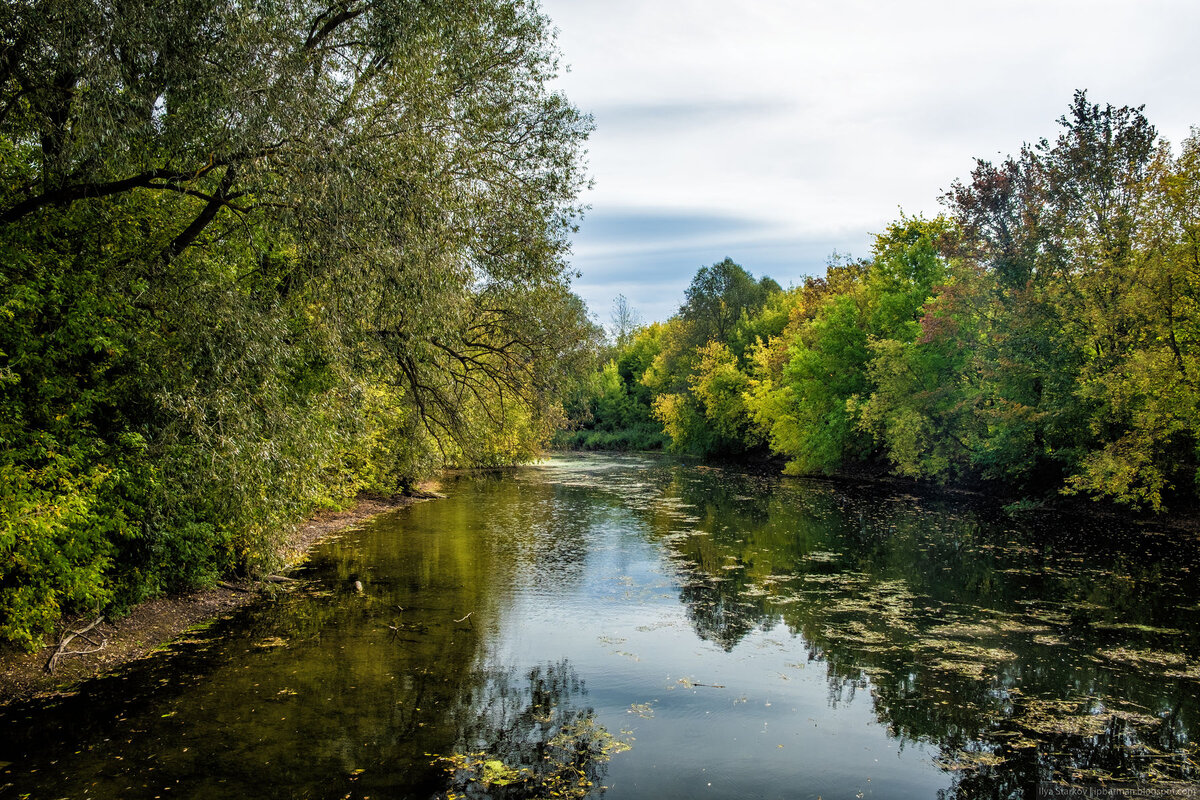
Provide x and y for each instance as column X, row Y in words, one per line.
column 60, row 649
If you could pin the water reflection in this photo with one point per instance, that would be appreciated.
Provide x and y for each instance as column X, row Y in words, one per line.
column 758, row 636
column 530, row 740
column 1026, row 653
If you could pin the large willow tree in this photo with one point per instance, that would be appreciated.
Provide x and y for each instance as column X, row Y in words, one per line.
column 257, row 256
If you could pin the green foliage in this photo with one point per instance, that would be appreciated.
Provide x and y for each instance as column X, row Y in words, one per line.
column 907, row 268
column 680, row 384
column 720, row 386
column 1044, row 337
column 805, row 409
column 54, row 540
column 614, row 410
column 717, row 299
column 257, row 260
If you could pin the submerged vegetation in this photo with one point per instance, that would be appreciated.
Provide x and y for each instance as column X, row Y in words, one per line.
column 1042, row 335
column 258, row 258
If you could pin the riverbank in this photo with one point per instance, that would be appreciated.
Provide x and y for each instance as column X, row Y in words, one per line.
column 879, row 476
column 156, row 623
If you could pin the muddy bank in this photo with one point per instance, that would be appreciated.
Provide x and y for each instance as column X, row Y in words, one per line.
column 157, row 622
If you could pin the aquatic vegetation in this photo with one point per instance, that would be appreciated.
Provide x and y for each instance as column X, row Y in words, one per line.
column 570, row 761
column 952, row 648
column 957, row 760
column 1143, row 658
column 643, row 710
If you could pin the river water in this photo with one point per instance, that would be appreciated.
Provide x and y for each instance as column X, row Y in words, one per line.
column 640, row 628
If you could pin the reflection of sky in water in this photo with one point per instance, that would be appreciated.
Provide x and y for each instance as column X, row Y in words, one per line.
column 764, row 725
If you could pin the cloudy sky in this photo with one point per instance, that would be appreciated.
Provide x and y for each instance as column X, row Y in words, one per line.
column 777, row 132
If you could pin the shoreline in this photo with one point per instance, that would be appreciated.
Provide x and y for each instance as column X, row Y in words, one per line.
column 152, row 625
column 1001, row 498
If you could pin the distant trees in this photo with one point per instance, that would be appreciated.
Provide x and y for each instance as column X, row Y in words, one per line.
column 625, row 321
column 718, row 297
column 257, row 258
column 1042, row 334
column 680, row 381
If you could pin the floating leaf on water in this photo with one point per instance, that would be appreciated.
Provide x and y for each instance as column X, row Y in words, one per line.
column 857, row 633
column 1048, row 640
column 1086, row 718
column 643, row 710
column 1192, row 673
column 960, row 760
column 953, row 648
column 969, row 669
column 1010, row 625
column 962, row 630
column 1142, row 658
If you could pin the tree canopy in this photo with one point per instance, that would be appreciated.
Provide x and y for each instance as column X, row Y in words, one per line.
column 1041, row 336
column 258, row 257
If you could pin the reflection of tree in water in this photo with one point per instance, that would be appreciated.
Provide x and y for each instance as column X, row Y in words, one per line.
column 1026, row 653
column 725, row 506
column 530, row 739
column 717, row 612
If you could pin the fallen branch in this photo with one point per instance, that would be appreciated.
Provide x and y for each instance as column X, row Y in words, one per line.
column 233, row 588
column 278, row 579
column 95, row 649
column 61, row 649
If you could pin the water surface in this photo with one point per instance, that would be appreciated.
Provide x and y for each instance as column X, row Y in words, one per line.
column 640, row 628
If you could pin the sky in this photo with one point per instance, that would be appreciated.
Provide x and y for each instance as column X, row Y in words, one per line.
column 780, row 132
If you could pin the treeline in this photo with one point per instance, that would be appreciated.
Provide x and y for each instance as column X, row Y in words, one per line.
column 1041, row 334
column 256, row 258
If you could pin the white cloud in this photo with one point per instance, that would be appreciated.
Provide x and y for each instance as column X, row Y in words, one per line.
column 819, row 120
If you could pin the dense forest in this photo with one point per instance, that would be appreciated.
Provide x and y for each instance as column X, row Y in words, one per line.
column 258, row 258
column 1040, row 335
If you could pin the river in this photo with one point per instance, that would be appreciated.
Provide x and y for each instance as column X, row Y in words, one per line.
column 640, row 628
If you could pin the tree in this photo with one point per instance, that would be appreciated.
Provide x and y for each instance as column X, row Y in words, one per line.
column 625, row 322
column 717, row 298
column 257, row 257
column 1142, row 379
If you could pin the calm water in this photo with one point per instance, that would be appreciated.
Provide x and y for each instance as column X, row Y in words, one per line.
column 664, row 631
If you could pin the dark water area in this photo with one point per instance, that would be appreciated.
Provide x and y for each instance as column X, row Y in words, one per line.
column 638, row 628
